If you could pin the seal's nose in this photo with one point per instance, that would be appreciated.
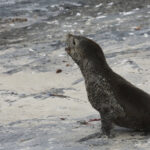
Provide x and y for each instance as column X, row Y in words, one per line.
column 69, row 35
column 68, row 39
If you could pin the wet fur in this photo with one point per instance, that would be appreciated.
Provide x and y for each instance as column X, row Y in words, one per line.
column 118, row 101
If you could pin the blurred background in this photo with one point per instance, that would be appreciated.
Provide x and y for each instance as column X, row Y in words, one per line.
column 34, row 28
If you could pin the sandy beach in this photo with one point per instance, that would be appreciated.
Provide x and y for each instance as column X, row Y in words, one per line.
column 43, row 101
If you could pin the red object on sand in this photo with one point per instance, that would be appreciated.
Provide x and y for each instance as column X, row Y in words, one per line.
column 91, row 120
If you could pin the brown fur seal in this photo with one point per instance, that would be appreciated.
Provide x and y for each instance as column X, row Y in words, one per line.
column 118, row 101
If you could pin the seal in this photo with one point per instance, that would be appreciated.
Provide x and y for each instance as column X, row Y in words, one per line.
column 117, row 100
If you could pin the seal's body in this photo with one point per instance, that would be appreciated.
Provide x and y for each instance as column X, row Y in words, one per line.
column 118, row 101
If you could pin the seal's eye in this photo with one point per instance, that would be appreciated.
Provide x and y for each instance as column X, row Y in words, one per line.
column 74, row 43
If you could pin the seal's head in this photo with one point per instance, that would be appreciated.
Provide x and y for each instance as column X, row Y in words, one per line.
column 81, row 48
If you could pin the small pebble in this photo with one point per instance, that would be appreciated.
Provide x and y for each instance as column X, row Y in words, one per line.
column 67, row 65
column 62, row 118
column 58, row 71
column 64, row 61
column 137, row 28
column 83, row 122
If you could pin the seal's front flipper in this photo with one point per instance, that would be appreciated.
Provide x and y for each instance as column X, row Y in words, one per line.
column 91, row 136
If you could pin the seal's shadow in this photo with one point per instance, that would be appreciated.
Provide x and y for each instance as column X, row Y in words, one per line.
column 120, row 133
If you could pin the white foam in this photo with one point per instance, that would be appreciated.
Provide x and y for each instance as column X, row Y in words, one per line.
column 124, row 38
column 76, row 4
column 67, row 25
column 99, row 13
column 145, row 35
column 131, row 33
column 118, row 19
column 137, row 9
column 100, row 17
column 53, row 22
column 110, row 4
column 127, row 13
column 99, row 5
column 50, row 36
column 81, row 31
column 31, row 50
column 62, row 55
column 55, row 5
column 78, row 14
column 12, row 24
column 7, row 2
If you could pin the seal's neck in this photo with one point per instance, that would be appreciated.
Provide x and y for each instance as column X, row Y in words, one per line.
column 95, row 68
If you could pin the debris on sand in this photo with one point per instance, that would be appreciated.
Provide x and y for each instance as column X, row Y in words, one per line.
column 13, row 20
column 83, row 122
column 137, row 28
column 58, row 71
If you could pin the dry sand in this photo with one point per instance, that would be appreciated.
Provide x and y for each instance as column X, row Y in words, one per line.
column 37, row 120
